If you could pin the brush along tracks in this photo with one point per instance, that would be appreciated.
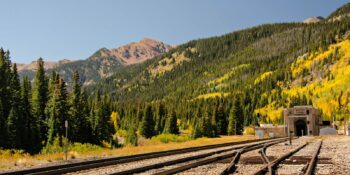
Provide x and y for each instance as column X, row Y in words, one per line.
column 95, row 164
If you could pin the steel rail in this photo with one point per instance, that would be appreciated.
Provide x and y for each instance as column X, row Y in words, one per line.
column 216, row 158
column 312, row 164
column 231, row 168
column 272, row 165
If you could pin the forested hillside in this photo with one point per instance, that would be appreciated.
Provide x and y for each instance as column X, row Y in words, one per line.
column 206, row 87
column 262, row 66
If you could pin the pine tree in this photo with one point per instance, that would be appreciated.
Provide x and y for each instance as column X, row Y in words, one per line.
column 92, row 123
column 171, row 123
column 236, row 119
column 196, row 132
column 15, row 119
column 39, row 98
column 3, row 125
column 232, row 121
column 131, row 137
column 57, row 111
column 214, row 126
column 14, row 141
column 5, row 95
column 78, row 113
column 147, row 124
column 207, row 128
column 220, row 119
column 100, row 117
column 30, row 129
column 160, row 118
column 105, row 126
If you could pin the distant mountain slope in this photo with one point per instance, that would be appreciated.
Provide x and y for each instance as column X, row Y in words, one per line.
column 103, row 62
column 343, row 11
column 313, row 20
column 254, row 63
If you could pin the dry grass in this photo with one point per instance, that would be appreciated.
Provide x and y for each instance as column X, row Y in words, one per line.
column 19, row 161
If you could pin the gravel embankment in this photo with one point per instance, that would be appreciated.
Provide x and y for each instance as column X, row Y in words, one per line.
column 296, row 164
column 334, row 157
column 252, row 162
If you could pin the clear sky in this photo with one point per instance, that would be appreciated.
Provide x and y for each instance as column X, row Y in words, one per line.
column 74, row 29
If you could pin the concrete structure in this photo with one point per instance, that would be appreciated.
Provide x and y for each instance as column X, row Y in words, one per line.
column 302, row 120
column 276, row 131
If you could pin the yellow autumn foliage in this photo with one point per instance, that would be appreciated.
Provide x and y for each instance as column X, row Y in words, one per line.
column 323, row 92
column 228, row 74
column 326, row 92
column 212, row 95
column 262, row 77
column 115, row 120
column 271, row 112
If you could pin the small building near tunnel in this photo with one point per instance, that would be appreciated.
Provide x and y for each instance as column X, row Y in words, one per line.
column 302, row 120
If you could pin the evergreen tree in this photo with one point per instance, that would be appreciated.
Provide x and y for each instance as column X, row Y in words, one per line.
column 161, row 112
column 92, row 120
column 100, row 117
column 78, row 113
column 15, row 119
column 5, row 95
column 207, row 128
column 30, row 129
column 39, row 98
column 236, row 119
column 57, row 111
column 196, row 132
column 232, row 121
column 13, row 133
column 220, row 119
column 171, row 123
column 214, row 126
column 3, row 125
column 131, row 137
column 147, row 124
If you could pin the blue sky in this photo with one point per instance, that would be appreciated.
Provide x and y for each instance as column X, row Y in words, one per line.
column 74, row 29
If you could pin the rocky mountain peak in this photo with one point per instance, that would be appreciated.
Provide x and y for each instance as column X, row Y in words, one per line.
column 137, row 52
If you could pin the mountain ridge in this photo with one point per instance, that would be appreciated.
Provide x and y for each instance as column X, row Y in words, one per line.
column 103, row 62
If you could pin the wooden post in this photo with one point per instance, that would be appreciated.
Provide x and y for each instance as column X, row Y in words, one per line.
column 235, row 127
column 66, row 150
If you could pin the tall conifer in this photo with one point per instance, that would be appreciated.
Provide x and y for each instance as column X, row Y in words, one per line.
column 39, row 98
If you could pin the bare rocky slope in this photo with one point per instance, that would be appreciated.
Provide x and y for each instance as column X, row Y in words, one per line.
column 103, row 62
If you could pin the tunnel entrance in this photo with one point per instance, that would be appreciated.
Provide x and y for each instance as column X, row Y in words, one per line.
column 301, row 128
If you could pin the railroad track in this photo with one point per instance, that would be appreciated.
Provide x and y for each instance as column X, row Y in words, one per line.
column 75, row 167
column 272, row 166
column 195, row 161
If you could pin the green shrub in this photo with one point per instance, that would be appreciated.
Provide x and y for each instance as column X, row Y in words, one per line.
column 131, row 138
column 122, row 133
column 166, row 138
column 56, row 147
